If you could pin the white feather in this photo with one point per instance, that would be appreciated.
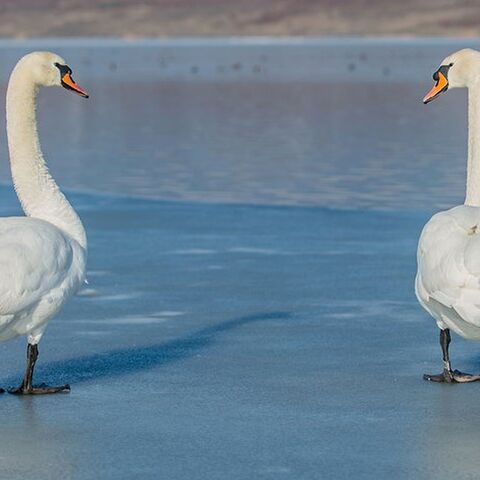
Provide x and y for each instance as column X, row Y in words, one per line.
column 448, row 276
column 42, row 255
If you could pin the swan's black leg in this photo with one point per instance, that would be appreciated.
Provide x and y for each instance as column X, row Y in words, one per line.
column 448, row 375
column 27, row 388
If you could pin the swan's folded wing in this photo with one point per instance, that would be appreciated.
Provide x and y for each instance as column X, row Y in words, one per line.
column 34, row 259
column 449, row 264
column 472, row 258
column 467, row 303
column 440, row 258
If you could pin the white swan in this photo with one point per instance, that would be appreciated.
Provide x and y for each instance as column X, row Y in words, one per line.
column 448, row 276
column 42, row 255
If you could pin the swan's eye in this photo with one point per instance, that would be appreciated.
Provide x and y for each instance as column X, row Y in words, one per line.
column 450, row 64
column 64, row 69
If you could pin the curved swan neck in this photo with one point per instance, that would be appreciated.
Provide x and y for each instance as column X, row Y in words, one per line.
column 36, row 189
column 473, row 163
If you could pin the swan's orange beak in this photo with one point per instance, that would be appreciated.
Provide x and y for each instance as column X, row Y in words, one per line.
column 440, row 86
column 69, row 84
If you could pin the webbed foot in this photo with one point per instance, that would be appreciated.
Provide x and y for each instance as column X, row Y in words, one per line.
column 42, row 389
column 452, row 376
column 27, row 387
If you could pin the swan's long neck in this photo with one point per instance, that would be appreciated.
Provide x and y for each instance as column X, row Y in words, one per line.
column 473, row 164
column 37, row 191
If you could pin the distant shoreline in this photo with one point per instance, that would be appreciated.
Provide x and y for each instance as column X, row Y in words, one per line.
column 221, row 18
column 192, row 41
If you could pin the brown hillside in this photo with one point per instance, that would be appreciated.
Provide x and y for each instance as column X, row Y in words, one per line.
column 163, row 18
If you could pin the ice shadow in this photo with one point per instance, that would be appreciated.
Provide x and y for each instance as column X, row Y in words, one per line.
column 130, row 360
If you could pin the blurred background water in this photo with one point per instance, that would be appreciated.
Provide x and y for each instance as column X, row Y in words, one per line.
column 302, row 122
column 252, row 208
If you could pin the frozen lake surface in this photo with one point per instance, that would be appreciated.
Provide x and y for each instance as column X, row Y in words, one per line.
column 253, row 211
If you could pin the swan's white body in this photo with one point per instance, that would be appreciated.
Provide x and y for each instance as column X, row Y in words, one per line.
column 448, row 276
column 42, row 255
